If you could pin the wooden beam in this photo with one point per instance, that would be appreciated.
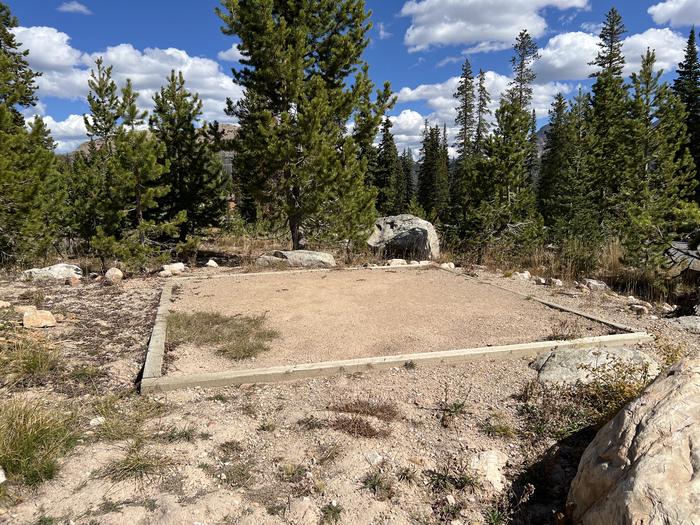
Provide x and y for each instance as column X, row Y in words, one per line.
column 328, row 368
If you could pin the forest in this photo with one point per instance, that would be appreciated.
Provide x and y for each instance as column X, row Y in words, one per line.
column 612, row 184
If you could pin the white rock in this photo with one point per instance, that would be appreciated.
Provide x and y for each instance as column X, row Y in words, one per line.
column 448, row 266
column 113, row 276
column 488, row 465
column 451, row 499
column 405, row 236
column 97, row 421
column 522, row 276
column 558, row 283
column 5, row 304
column 373, row 458
column 540, row 281
column 569, row 365
column 396, row 262
column 165, row 273
column 667, row 308
column 3, row 477
column 174, row 268
column 57, row 272
column 211, row 263
column 594, row 285
column 305, row 258
column 642, row 467
column 639, row 309
column 38, row 319
column 414, row 263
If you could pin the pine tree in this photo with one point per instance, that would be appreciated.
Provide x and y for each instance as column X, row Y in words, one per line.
column 389, row 178
column 661, row 183
column 554, row 159
column 466, row 122
column 483, row 124
column 687, row 87
column 105, row 106
column 609, row 122
column 433, row 176
column 292, row 146
column 198, row 186
column 526, row 54
column 409, row 174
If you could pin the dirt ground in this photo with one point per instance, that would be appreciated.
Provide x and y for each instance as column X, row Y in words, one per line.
column 277, row 454
column 365, row 313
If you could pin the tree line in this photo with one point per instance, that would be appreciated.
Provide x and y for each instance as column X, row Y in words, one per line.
column 315, row 153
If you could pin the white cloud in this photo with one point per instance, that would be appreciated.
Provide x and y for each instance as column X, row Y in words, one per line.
column 450, row 22
column 592, row 27
column 487, row 47
column 68, row 134
column 74, row 7
column 65, row 72
column 668, row 45
column 407, row 129
column 384, row 32
column 676, row 12
column 233, row 54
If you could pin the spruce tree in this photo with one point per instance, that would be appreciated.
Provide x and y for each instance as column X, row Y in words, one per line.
column 198, row 186
column 389, row 177
column 483, row 124
column 609, row 122
column 292, row 147
column 687, row 87
column 408, row 167
column 523, row 74
column 554, row 159
column 466, row 122
column 433, row 176
column 656, row 195
column 533, row 154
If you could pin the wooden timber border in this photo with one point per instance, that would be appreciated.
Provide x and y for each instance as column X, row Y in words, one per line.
column 154, row 381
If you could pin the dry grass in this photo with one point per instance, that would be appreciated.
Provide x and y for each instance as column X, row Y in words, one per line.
column 26, row 362
column 358, row 426
column 124, row 416
column 497, row 425
column 565, row 330
column 32, row 439
column 384, row 410
column 328, row 453
column 239, row 337
column 139, row 463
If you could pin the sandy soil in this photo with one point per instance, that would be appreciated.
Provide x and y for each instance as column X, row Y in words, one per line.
column 108, row 327
column 351, row 314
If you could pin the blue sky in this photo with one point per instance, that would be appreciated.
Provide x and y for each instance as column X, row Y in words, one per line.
column 417, row 45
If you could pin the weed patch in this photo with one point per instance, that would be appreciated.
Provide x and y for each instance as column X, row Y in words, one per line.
column 384, row 410
column 238, row 337
column 380, row 484
column 26, row 362
column 358, row 426
column 139, row 463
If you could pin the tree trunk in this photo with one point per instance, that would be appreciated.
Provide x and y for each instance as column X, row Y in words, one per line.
column 295, row 229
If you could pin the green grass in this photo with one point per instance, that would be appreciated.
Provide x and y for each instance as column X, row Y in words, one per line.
column 330, row 513
column 238, row 337
column 32, row 440
column 379, row 484
column 124, row 416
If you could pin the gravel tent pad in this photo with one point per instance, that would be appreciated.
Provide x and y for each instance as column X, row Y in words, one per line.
column 325, row 316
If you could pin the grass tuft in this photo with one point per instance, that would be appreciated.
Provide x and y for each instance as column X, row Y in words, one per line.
column 358, row 426
column 138, row 464
column 379, row 484
column 28, row 362
column 330, row 513
column 384, row 410
column 32, row 439
column 239, row 337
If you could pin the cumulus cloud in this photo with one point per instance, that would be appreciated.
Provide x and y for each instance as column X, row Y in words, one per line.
column 676, row 12
column 68, row 133
column 567, row 56
column 65, row 72
column 74, row 7
column 449, row 22
column 233, row 54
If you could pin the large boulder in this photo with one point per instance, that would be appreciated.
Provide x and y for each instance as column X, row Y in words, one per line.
column 405, row 236
column 571, row 365
column 305, row 259
column 57, row 272
column 643, row 467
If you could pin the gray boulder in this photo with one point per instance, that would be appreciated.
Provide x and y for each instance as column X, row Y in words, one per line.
column 690, row 323
column 642, row 467
column 306, row 259
column 405, row 236
column 57, row 272
column 114, row 276
column 570, row 365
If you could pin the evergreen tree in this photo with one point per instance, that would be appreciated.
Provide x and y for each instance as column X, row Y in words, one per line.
column 533, row 154
column 409, row 173
column 105, row 106
column 656, row 195
column 292, row 147
column 198, row 186
column 482, row 115
column 433, row 177
column 466, row 121
column 687, row 87
column 389, row 177
column 609, row 122
column 556, row 143
column 523, row 74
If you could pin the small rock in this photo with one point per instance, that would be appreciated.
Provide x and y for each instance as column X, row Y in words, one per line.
column 414, row 263
column 374, row 458
column 451, row 499
column 488, row 465
column 97, row 421
column 558, row 283
column 424, row 263
column 4, row 304
column 24, row 309
column 211, row 263
column 448, row 266
column 396, row 262
column 59, row 318
column 639, row 309
column 73, row 281
column 522, row 276
column 38, row 319
column 690, row 323
column 3, row 477
column 594, row 285
column 540, row 281
column 165, row 273
column 174, row 268
column 113, row 276
column 667, row 308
